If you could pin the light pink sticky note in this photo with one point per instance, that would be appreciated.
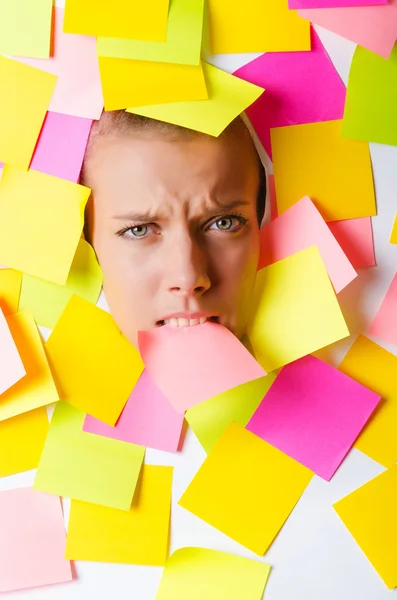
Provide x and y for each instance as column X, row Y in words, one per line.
column 300, row 227
column 384, row 326
column 301, row 87
column 297, row 4
column 192, row 364
column 374, row 27
column 148, row 419
column 11, row 365
column 78, row 91
column 313, row 413
column 356, row 240
column 32, row 541
column 61, row 146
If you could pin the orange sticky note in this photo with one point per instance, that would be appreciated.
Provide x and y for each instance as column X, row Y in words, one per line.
column 11, row 365
column 10, row 289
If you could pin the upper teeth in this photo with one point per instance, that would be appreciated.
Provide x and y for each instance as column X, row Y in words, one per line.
column 179, row 322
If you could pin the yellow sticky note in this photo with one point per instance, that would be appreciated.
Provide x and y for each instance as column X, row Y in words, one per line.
column 369, row 513
column 256, row 26
column 376, row 368
column 41, row 220
column 21, row 441
column 198, row 573
column 393, row 237
column 119, row 18
column 95, row 366
column 47, row 300
column 87, row 467
column 294, row 311
column 246, row 488
column 228, row 96
column 10, row 289
column 25, row 27
column 127, row 83
column 26, row 94
column 37, row 387
column 139, row 536
column 182, row 45
column 314, row 160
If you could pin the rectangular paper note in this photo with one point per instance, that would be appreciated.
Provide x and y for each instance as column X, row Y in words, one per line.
column 384, row 326
column 11, row 365
column 296, row 4
column 393, row 236
column 356, row 240
column 25, row 27
column 10, row 289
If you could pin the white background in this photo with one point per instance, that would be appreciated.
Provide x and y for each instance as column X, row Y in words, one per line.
column 314, row 557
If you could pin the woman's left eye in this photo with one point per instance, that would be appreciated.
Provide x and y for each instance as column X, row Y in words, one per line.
column 229, row 223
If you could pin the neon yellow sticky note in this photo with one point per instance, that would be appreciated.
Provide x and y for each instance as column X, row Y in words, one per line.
column 246, row 488
column 87, row 467
column 228, row 96
column 47, row 300
column 22, row 439
column 25, row 27
column 393, row 236
column 37, row 387
column 41, row 220
column 375, row 367
column 10, row 289
column 95, row 366
column 119, row 18
column 295, row 310
column 303, row 158
column 139, row 536
column 182, row 45
column 198, row 573
column 128, row 83
column 369, row 513
column 256, row 26
column 21, row 120
column 209, row 419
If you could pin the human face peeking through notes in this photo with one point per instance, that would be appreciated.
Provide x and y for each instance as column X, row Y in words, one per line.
column 173, row 221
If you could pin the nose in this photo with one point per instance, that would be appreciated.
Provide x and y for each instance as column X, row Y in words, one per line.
column 186, row 266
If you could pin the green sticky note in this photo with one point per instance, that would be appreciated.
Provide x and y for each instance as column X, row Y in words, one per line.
column 371, row 101
column 25, row 27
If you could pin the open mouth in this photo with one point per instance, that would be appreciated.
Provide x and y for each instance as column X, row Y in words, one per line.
column 183, row 322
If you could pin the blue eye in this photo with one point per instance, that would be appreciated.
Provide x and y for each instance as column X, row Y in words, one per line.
column 226, row 223
column 138, row 230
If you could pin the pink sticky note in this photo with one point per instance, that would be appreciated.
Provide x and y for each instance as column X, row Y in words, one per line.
column 300, row 227
column 148, row 419
column 61, row 146
column 301, row 87
column 192, row 364
column 32, row 541
column 356, row 240
column 384, row 325
column 313, row 413
column 297, row 4
column 78, row 91
column 374, row 27
column 11, row 365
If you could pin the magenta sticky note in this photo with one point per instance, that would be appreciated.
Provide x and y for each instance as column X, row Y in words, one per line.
column 192, row 364
column 384, row 326
column 297, row 4
column 356, row 239
column 301, row 87
column 148, row 419
column 313, row 413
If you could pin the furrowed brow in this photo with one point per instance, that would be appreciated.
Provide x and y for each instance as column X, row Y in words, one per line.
column 150, row 216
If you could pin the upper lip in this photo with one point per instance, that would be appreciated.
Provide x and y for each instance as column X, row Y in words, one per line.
column 188, row 315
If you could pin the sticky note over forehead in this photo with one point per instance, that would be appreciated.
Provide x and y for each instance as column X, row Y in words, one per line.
column 92, row 361
column 11, row 366
column 25, row 27
column 10, row 289
column 22, row 109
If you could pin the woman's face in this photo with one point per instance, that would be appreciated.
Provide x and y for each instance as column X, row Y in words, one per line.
column 173, row 223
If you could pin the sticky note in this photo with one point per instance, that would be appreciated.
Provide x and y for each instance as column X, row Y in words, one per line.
column 313, row 413
column 301, row 87
column 393, row 236
column 148, row 419
column 137, row 536
column 95, row 366
column 120, row 18
column 246, row 488
column 384, row 325
column 356, row 240
column 11, row 366
column 369, row 513
column 127, row 83
column 25, row 27
column 304, row 156
column 47, row 300
column 374, row 27
column 10, row 289
column 22, row 440
column 37, row 387
column 296, row 4
column 197, row 573
column 87, row 467
column 41, row 220
column 375, row 367
column 300, row 227
column 191, row 364
column 228, row 96
column 21, row 121
column 211, row 418
column 182, row 44
column 294, row 311
column 256, row 26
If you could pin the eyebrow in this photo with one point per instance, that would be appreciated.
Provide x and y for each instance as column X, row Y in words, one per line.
column 150, row 216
